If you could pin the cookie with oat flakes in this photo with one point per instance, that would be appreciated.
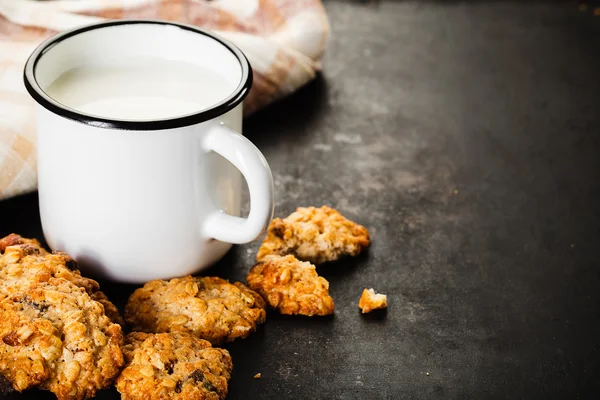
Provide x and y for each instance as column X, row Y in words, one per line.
column 314, row 234
column 209, row 307
column 110, row 309
column 15, row 240
column 173, row 366
column 24, row 263
column 291, row 286
column 22, row 266
column 55, row 336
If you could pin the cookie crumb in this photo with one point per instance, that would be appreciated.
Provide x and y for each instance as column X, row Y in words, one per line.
column 369, row 301
column 257, row 376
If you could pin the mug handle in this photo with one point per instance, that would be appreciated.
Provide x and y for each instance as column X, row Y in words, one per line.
column 252, row 164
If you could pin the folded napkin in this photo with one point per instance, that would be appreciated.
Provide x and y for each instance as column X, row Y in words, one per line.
column 284, row 41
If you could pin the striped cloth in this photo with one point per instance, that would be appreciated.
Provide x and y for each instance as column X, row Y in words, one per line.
column 283, row 39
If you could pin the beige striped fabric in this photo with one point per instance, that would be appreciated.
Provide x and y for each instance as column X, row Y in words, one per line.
column 284, row 41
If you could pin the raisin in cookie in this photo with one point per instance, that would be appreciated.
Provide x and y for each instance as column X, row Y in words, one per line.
column 173, row 366
column 209, row 307
column 314, row 234
column 291, row 286
column 54, row 335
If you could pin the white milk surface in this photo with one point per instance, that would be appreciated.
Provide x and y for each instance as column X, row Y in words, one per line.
column 145, row 89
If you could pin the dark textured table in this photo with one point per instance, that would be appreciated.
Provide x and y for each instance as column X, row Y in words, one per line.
column 465, row 137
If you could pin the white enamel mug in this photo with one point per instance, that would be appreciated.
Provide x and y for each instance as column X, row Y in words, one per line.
column 135, row 200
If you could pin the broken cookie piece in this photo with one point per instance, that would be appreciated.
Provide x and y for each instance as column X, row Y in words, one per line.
column 173, row 366
column 209, row 307
column 314, row 234
column 291, row 286
column 369, row 301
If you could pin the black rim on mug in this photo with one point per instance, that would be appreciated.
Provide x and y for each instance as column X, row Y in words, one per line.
column 217, row 109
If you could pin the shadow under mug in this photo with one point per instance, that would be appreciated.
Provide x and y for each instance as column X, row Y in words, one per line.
column 136, row 200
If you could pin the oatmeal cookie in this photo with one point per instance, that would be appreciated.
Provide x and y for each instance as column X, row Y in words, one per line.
column 110, row 309
column 13, row 240
column 24, row 265
column 291, row 286
column 314, row 234
column 54, row 335
column 369, row 301
column 173, row 366
column 209, row 307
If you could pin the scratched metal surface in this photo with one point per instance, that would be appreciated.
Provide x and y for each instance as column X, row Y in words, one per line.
column 465, row 137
